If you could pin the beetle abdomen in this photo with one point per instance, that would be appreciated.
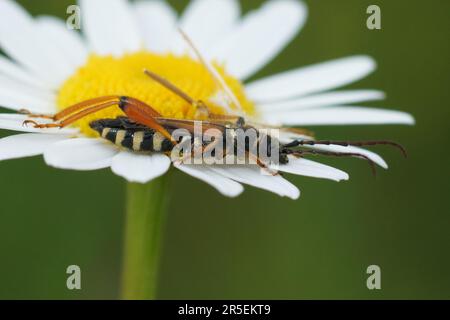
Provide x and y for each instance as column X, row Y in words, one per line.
column 134, row 139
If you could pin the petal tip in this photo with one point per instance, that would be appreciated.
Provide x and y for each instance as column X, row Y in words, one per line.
column 405, row 118
column 293, row 193
column 369, row 61
column 380, row 95
column 343, row 177
column 384, row 165
column 294, row 196
column 410, row 120
column 235, row 192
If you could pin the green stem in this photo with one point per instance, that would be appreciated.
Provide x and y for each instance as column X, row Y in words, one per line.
column 145, row 217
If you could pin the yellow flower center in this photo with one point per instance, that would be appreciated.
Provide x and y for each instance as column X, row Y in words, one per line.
column 107, row 75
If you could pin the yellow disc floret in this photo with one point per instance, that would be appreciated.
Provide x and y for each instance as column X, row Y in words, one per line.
column 104, row 76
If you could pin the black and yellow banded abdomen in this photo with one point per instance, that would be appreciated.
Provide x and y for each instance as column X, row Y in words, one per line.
column 132, row 137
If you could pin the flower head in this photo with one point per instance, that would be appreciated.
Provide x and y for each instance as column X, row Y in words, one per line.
column 51, row 68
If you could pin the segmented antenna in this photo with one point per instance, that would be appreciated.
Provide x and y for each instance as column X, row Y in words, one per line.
column 288, row 149
column 297, row 143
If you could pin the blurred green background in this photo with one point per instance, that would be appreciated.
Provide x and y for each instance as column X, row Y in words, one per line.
column 261, row 246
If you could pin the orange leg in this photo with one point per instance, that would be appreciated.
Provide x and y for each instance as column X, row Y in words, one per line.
column 136, row 110
column 41, row 126
column 144, row 114
column 202, row 108
column 170, row 86
column 34, row 115
column 84, row 104
column 200, row 105
column 74, row 117
column 72, row 109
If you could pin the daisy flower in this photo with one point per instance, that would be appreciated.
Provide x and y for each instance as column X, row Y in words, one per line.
column 48, row 67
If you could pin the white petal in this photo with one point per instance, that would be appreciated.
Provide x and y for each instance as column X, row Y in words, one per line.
column 110, row 26
column 14, row 17
column 307, row 80
column 260, row 37
column 371, row 155
column 157, row 22
column 225, row 186
column 68, row 42
column 15, row 95
column 207, row 22
column 22, row 41
column 253, row 176
column 26, row 145
column 341, row 115
column 324, row 99
column 14, row 122
column 80, row 154
column 286, row 135
column 12, row 70
column 313, row 169
column 58, row 39
column 24, row 102
column 140, row 168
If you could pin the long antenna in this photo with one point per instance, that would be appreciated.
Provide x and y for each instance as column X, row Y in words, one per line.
column 213, row 71
column 297, row 143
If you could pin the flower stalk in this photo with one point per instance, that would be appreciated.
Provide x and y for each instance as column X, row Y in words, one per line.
column 145, row 216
